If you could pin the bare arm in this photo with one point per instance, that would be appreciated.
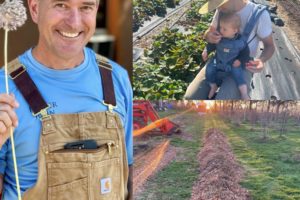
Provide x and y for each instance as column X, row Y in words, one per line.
column 269, row 48
column 258, row 64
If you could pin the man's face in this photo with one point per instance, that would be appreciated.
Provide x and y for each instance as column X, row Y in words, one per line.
column 65, row 26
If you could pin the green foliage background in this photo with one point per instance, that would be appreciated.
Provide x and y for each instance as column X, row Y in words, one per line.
column 173, row 60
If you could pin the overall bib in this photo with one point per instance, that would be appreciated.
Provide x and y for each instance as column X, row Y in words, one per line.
column 77, row 174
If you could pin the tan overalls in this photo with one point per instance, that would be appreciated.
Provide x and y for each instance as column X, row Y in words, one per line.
column 79, row 174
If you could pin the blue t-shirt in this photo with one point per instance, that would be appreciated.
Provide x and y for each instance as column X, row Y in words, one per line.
column 67, row 91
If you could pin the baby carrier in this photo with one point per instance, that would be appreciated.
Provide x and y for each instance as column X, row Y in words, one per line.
column 223, row 61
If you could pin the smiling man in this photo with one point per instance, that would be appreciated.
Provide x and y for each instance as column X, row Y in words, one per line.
column 71, row 112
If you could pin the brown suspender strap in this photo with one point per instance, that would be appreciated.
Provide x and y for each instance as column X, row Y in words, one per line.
column 107, row 81
column 35, row 100
column 27, row 87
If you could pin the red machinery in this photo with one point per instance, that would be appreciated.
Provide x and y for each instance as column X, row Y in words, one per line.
column 143, row 111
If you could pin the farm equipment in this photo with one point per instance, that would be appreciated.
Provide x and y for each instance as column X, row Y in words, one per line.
column 143, row 112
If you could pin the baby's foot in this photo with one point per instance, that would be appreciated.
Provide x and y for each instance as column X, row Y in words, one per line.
column 213, row 89
column 245, row 96
column 244, row 93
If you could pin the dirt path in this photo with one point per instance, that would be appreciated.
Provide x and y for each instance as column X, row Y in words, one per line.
column 289, row 11
column 148, row 163
column 147, row 40
column 220, row 174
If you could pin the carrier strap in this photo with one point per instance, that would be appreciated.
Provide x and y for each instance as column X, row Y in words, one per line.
column 256, row 13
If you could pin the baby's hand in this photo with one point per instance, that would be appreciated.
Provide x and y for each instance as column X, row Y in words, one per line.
column 204, row 55
column 236, row 63
column 213, row 36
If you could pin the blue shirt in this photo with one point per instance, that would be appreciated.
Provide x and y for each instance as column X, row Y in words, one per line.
column 67, row 91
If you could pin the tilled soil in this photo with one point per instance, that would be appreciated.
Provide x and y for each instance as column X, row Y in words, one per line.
column 220, row 174
column 148, row 163
column 289, row 11
column 147, row 40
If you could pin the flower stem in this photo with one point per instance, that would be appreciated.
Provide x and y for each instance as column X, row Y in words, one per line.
column 11, row 129
column 5, row 61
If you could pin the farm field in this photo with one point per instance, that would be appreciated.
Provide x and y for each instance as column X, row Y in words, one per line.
column 233, row 150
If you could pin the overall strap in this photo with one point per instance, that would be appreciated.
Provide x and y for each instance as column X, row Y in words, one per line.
column 28, row 89
column 257, row 12
column 105, row 68
column 33, row 97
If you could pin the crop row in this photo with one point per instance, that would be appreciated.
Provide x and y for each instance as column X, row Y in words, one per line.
column 173, row 60
column 144, row 9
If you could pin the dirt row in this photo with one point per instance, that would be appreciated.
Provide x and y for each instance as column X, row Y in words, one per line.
column 147, row 40
column 289, row 11
column 149, row 162
column 220, row 173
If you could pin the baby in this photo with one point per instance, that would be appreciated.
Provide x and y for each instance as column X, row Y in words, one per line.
column 232, row 54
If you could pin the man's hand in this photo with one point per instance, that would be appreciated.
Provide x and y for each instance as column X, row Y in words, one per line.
column 1, row 184
column 237, row 63
column 212, row 35
column 258, row 64
column 8, row 117
column 255, row 66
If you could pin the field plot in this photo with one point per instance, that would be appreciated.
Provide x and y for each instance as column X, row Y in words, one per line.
column 225, row 150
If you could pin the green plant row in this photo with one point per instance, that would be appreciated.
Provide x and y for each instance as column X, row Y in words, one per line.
column 172, row 63
column 193, row 12
column 144, row 9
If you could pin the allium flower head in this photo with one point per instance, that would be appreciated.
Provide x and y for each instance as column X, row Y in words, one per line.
column 12, row 14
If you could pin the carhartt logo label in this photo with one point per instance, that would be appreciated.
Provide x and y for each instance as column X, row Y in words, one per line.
column 226, row 50
column 105, row 185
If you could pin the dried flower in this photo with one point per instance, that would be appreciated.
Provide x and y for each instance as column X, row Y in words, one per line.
column 12, row 14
